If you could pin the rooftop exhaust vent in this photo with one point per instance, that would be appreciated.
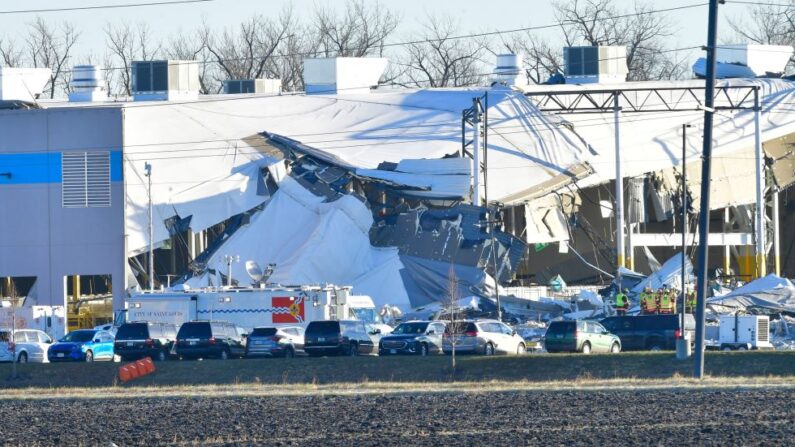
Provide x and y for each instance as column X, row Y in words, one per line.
column 88, row 84
column 588, row 65
column 165, row 80
column 342, row 75
column 264, row 86
column 508, row 70
column 22, row 84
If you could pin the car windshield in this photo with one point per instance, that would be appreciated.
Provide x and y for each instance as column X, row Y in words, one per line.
column 562, row 327
column 137, row 331
column 366, row 314
column 410, row 328
column 194, row 330
column 79, row 336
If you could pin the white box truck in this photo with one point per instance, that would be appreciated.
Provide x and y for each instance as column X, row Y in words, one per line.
column 744, row 332
column 249, row 307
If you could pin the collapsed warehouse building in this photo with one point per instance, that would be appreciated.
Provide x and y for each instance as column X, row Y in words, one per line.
column 386, row 190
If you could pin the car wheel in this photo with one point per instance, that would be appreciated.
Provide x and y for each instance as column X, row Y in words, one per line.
column 289, row 353
column 423, row 349
column 489, row 349
column 353, row 351
column 586, row 348
column 89, row 356
column 742, row 348
column 655, row 348
column 615, row 349
column 224, row 355
column 161, row 356
column 23, row 357
column 521, row 349
column 726, row 348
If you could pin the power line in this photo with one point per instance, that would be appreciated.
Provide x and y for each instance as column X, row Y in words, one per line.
column 84, row 8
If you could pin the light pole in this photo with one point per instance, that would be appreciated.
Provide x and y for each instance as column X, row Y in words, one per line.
column 148, row 173
column 228, row 260
column 682, row 343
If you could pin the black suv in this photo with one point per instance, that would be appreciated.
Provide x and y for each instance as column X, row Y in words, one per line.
column 346, row 337
column 206, row 339
column 141, row 339
column 649, row 332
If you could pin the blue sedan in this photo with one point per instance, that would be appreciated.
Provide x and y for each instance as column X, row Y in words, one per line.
column 84, row 345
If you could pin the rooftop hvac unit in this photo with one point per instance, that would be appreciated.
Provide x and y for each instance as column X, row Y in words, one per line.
column 165, row 80
column 22, row 84
column 88, row 84
column 588, row 65
column 264, row 86
column 341, row 75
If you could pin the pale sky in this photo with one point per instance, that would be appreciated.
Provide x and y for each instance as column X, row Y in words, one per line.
column 474, row 16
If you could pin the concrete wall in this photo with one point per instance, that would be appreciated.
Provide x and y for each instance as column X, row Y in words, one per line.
column 38, row 236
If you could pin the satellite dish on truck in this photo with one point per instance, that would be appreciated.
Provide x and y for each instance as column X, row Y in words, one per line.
column 256, row 273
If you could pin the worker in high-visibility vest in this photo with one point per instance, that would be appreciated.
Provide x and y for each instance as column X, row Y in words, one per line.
column 647, row 300
column 691, row 301
column 622, row 302
column 665, row 302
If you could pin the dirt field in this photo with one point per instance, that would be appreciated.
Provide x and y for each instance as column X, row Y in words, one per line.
column 630, row 417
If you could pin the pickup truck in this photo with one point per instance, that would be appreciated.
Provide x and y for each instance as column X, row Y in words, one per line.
column 648, row 332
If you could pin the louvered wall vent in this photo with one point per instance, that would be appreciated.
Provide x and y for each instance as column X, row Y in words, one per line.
column 86, row 179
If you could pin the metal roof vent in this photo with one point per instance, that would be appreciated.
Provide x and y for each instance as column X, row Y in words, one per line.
column 603, row 65
column 165, row 80
column 264, row 86
column 508, row 69
column 88, row 84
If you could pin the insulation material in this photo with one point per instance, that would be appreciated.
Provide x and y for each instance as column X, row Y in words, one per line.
column 770, row 294
column 311, row 242
column 545, row 221
column 670, row 274
column 440, row 178
column 636, row 202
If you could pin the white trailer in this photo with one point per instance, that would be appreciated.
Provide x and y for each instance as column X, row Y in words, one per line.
column 744, row 332
column 249, row 307
column 50, row 319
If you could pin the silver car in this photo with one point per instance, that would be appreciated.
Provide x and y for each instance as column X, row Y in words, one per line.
column 275, row 342
column 487, row 337
column 29, row 345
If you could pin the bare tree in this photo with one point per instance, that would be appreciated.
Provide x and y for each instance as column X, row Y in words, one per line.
column 452, row 312
column 288, row 62
column 246, row 53
column 360, row 31
column 539, row 57
column 10, row 53
column 51, row 47
column 128, row 44
column 437, row 59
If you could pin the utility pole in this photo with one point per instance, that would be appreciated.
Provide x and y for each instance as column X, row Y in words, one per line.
column 706, row 172
column 148, row 173
column 476, row 152
column 621, row 261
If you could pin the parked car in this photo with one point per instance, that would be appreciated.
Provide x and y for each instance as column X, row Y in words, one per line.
column 580, row 336
column 649, row 332
column 344, row 337
column 83, row 345
column 31, row 345
column 141, row 339
column 487, row 337
column 413, row 337
column 205, row 339
column 275, row 342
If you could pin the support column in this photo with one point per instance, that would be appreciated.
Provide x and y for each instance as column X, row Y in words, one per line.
column 776, row 235
column 727, row 253
column 759, row 215
column 476, row 153
column 620, row 251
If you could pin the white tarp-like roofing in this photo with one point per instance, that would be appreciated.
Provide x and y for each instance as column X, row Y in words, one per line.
column 202, row 167
column 312, row 241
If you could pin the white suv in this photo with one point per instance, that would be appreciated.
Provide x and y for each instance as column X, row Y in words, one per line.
column 31, row 345
column 487, row 337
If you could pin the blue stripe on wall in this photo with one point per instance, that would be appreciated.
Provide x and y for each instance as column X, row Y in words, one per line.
column 44, row 167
